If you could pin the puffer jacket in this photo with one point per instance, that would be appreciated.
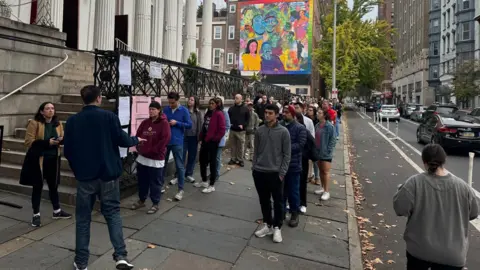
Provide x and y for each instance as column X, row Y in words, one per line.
column 298, row 138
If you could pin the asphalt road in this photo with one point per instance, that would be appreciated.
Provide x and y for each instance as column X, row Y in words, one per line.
column 380, row 169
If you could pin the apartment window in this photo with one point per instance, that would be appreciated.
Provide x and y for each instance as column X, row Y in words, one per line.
column 448, row 44
column 198, row 32
column 231, row 32
column 435, row 48
column 444, row 21
column 448, row 18
column 453, row 13
column 216, row 57
column 435, row 72
column 233, row 8
column 230, row 58
column 444, row 45
column 466, row 4
column 466, row 31
column 217, row 32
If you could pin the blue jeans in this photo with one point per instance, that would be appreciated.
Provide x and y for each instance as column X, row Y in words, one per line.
column 109, row 195
column 177, row 151
column 150, row 180
column 292, row 191
column 190, row 145
column 219, row 160
column 337, row 127
column 316, row 171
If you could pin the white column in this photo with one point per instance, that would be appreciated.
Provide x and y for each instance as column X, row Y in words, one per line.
column 50, row 11
column 143, row 17
column 157, row 28
column 179, row 30
column 170, row 35
column 189, row 40
column 206, row 38
column 104, row 33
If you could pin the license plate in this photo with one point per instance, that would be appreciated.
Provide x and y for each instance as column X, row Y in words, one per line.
column 468, row 134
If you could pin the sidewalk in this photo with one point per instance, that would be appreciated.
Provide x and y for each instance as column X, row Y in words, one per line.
column 204, row 231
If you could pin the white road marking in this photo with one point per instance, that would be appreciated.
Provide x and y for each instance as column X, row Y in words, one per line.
column 361, row 115
column 411, row 122
column 475, row 222
column 404, row 142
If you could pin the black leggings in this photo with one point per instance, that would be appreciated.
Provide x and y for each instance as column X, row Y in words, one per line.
column 50, row 175
column 418, row 264
column 208, row 157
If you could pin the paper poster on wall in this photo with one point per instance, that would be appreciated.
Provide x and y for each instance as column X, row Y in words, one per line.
column 123, row 151
column 124, row 110
column 155, row 70
column 125, row 70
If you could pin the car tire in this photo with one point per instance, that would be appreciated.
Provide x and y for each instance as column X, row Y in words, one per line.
column 419, row 140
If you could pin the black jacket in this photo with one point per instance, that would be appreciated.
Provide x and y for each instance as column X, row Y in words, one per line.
column 239, row 116
column 31, row 173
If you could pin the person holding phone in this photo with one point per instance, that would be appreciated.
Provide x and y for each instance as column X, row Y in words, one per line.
column 42, row 161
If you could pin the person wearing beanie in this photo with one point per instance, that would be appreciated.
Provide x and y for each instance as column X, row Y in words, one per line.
column 151, row 157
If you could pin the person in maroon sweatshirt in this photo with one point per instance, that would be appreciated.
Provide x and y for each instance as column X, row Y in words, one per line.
column 211, row 134
column 151, row 157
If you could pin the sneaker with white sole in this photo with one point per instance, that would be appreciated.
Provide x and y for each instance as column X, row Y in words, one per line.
column 123, row 264
column 277, row 235
column 325, row 196
column 174, row 181
column 319, row 191
column 179, row 195
column 208, row 189
column 190, row 179
column 288, row 206
column 264, row 231
column 303, row 209
column 162, row 190
column 201, row 184
column 78, row 268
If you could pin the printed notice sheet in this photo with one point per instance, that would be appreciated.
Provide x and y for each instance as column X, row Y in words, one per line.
column 155, row 70
column 125, row 70
column 124, row 151
column 124, row 110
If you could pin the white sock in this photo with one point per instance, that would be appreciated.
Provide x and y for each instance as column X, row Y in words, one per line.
column 36, row 215
column 57, row 211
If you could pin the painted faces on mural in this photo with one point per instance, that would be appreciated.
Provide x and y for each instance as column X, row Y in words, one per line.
column 267, row 51
column 258, row 25
column 253, row 47
column 270, row 23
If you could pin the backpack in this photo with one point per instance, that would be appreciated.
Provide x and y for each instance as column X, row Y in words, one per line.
column 310, row 149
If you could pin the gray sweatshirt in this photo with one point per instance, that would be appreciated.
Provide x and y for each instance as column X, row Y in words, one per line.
column 271, row 151
column 438, row 209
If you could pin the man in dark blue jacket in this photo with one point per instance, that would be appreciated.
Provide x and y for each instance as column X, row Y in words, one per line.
column 298, row 137
column 92, row 140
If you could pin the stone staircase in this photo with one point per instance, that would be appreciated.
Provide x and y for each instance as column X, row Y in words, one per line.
column 14, row 151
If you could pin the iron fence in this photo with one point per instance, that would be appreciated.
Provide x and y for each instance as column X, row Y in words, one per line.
column 1, row 142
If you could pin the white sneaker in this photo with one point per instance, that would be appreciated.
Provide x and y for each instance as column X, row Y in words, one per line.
column 77, row 268
column 319, row 191
column 190, row 179
column 124, row 265
column 208, row 189
column 201, row 184
column 288, row 206
column 179, row 195
column 303, row 209
column 162, row 190
column 277, row 235
column 264, row 231
column 174, row 181
column 325, row 196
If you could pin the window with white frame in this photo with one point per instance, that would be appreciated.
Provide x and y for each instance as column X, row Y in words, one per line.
column 198, row 32
column 217, row 32
column 216, row 57
column 233, row 8
column 231, row 32
column 230, row 58
column 466, row 31
column 466, row 4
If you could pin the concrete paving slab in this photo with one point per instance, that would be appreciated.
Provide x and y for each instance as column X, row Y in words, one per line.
column 308, row 246
column 191, row 239
column 15, row 231
column 331, row 213
column 14, row 245
column 7, row 222
column 179, row 260
column 99, row 238
column 25, row 214
column 236, row 189
column 327, row 228
column 224, row 204
column 44, row 231
column 152, row 258
column 336, row 191
column 134, row 248
column 4, row 194
column 239, row 176
column 67, row 263
column 258, row 259
column 333, row 203
column 211, row 222
column 137, row 219
column 40, row 255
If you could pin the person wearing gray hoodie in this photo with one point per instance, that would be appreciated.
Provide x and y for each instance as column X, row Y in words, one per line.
column 439, row 207
column 271, row 159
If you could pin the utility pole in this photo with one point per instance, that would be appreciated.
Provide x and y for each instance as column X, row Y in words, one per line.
column 334, row 58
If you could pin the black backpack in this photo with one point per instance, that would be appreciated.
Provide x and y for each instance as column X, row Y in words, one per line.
column 310, row 149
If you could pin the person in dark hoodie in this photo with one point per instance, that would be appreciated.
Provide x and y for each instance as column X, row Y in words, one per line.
column 298, row 138
column 151, row 157
column 190, row 144
column 212, row 133
column 239, row 117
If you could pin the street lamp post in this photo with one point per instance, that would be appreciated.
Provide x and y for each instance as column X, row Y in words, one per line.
column 334, row 58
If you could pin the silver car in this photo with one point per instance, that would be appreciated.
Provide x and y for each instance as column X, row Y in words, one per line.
column 389, row 111
column 417, row 114
column 410, row 108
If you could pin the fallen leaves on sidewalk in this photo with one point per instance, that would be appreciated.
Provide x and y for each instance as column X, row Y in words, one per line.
column 151, row 246
column 189, row 215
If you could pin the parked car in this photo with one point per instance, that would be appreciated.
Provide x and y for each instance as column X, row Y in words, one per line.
column 449, row 133
column 370, row 107
column 417, row 114
column 409, row 108
column 441, row 109
column 469, row 116
column 389, row 111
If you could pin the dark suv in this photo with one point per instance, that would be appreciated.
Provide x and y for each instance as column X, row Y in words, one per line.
column 441, row 109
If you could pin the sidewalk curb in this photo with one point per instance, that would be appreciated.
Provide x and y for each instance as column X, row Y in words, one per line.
column 354, row 245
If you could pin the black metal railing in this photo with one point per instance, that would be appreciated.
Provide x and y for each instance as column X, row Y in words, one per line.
column 1, row 142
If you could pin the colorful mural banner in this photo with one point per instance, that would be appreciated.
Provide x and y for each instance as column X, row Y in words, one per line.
column 276, row 36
